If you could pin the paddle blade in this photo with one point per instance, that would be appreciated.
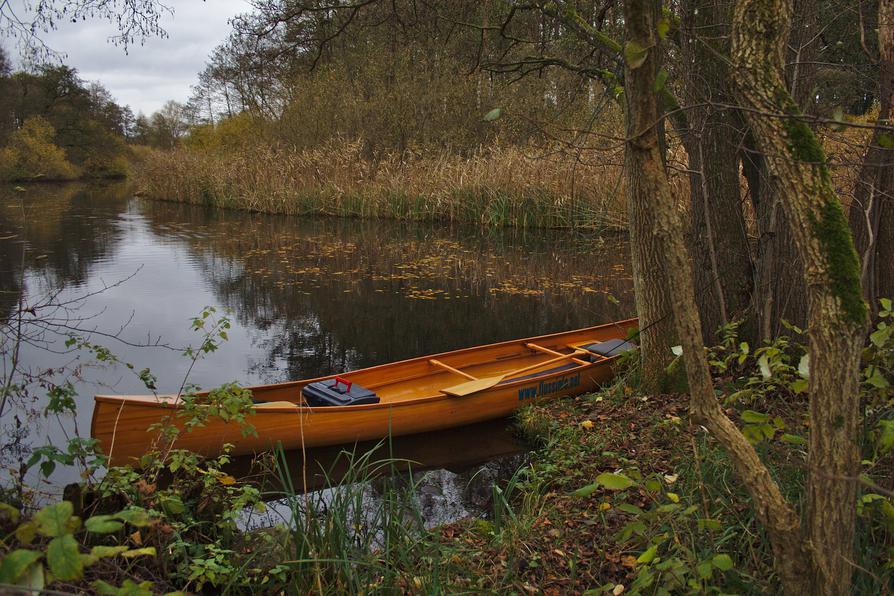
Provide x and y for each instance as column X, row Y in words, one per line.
column 470, row 387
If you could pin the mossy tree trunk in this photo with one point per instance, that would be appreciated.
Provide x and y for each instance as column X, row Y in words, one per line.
column 872, row 211
column 836, row 310
column 644, row 168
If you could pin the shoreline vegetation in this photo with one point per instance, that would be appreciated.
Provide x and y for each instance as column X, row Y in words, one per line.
column 499, row 186
column 619, row 495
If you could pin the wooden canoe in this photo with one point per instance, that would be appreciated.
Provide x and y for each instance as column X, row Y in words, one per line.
column 412, row 393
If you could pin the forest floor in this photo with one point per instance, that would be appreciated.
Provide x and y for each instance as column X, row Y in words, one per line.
column 571, row 533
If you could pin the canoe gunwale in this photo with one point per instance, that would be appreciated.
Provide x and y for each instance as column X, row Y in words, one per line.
column 297, row 408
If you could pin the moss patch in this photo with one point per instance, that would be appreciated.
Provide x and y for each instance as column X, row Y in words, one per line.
column 837, row 244
column 829, row 225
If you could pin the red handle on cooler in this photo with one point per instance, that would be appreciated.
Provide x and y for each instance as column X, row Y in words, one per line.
column 341, row 381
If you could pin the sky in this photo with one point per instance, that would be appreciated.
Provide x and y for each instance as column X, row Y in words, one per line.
column 147, row 76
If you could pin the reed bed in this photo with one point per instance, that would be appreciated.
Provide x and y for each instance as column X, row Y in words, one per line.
column 499, row 186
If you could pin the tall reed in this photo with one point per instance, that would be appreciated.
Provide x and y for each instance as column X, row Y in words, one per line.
column 348, row 539
column 499, row 186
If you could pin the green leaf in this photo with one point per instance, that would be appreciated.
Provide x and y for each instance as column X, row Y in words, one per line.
column 764, row 366
column 722, row 562
column 26, row 532
column 880, row 336
column 660, row 81
column 128, row 588
column 804, row 366
column 135, row 517
column 34, row 578
column 586, row 491
column 800, row 386
column 139, row 552
column 103, row 552
column 53, row 520
column 16, row 563
column 634, row 54
column 663, row 26
column 885, row 439
column 648, row 556
column 493, row 115
column 172, row 505
column 630, row 508
column 793, row 439
column 709, row 524
column 877, row 379
column 753, row 434
column 705, row 569
column 64, row 558
column 614, row 481
column 103, row 524
column 9, row 514
column 886, row 303
column 752, row 417
column 886, row 141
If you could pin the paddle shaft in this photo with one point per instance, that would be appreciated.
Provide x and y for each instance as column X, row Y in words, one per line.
column 539, row 364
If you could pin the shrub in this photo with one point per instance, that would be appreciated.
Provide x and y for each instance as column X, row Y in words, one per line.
column 31, row 154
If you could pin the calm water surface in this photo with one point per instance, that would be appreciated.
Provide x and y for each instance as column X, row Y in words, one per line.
column 307, row 296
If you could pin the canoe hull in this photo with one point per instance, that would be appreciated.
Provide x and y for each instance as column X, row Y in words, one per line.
column 121, row 423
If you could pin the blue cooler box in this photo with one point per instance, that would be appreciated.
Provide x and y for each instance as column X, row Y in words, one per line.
column 337, row 392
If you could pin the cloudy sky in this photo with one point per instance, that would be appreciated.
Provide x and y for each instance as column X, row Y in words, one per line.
column 157, row 71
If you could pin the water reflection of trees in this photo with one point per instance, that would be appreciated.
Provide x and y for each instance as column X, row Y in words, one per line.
column 54, row 233
column 331, row 295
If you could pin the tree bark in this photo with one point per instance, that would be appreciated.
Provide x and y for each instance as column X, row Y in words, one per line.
column 779, row 291
column 651, row 279
column 872, row 211
column 720, row 249
column 836, row 310
column 644, row 166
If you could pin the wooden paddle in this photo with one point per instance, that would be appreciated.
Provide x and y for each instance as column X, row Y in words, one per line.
column 477, row 385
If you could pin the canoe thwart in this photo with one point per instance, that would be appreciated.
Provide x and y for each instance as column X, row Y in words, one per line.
column 477, row 385
column 448, row 368
column 537, row 348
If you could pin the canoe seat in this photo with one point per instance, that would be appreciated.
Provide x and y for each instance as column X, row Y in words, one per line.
column 275, row 404
column 607, row 349
column 548, row 371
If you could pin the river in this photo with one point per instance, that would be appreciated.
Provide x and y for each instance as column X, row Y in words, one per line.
column 306, row 296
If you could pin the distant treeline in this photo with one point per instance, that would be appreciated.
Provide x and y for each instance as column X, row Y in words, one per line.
column 56, row 126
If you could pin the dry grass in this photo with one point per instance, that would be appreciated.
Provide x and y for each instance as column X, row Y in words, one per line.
column 496, row 186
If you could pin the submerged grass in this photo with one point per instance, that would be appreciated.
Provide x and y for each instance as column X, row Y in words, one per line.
column 500, row 186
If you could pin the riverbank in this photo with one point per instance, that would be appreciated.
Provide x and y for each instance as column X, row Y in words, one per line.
column 500, row 186
column 621, row 494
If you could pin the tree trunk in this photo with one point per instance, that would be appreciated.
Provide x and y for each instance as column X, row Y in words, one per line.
column 644, row 167
column 779, row 291
column 872, row 211
column 836, row 310
column 651, row 281
column 720, row 250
